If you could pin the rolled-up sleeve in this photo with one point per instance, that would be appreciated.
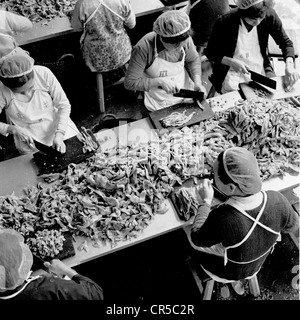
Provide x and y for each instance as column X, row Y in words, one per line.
column 59, row 98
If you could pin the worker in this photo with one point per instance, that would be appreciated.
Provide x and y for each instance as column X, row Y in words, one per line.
column 203, row 15
column 105, row 44
column 17, row 283
column 239, row 43
column 10, row 25
column 35, row 105
column 238, row 235
column 165, row 61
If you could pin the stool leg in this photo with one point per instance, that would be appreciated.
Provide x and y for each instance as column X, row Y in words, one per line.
column 100, row 92
column 208, row 289
column 254, row 286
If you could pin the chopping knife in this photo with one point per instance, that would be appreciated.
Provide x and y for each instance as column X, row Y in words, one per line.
column 197, row 96
column 47, row 150
column 263, row 80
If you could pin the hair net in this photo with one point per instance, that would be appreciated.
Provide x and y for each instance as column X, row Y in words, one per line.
column 14, row 66
column 172, row 23
column 242, row 167
column 245, row 4
column 15, row 259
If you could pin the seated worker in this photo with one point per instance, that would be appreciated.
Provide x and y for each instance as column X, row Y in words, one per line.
column 165, row 61
column 35, row 105
column 238, row 235
column 105, row 44
column 239, row 41
column 11, row 24
column 16, row 282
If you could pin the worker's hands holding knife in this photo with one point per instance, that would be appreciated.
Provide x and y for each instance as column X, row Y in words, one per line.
column 21, row 134
column 206, row 191
column 60, row 269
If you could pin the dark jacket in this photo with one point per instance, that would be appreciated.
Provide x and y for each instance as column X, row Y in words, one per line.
column 48, row 287
column 228, row 226
column 224, row 38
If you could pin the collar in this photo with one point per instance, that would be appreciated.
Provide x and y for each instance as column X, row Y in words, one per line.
column 247, row 25
column 250, row 202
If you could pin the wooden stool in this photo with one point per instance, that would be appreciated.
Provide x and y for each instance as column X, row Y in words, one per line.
column 208, row 282
column 253, row 286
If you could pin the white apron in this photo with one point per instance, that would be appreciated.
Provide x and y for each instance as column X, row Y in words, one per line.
column 157, row 99
column 38, row 117
column 247, row 50
column 221, row 251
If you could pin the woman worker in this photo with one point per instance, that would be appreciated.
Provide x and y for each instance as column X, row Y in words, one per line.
column 238, row 235
column 105, row 44
column 239, row 42
column 165, row 61
column 10, row 24
column 35, row 105
column 16, row 282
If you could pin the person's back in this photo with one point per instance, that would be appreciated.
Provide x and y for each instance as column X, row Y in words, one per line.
column 105, row 43
column 203, row 14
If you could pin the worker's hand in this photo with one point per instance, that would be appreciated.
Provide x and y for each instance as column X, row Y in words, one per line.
column 291, row 76
column 239, row 66
column 21, row 134
column 201, row 88
column 168, row 85
column 58, row 142
column 60, row 269
column 206, row 191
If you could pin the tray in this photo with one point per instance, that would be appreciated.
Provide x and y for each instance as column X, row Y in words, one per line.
column 248, row 90
column 74, row 154
column 199, row 115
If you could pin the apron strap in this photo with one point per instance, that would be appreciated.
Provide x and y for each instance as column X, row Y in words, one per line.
column 28, row 280
column 236, row 205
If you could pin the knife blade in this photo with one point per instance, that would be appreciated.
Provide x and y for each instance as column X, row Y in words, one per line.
column 263, row 80
column 47, row 150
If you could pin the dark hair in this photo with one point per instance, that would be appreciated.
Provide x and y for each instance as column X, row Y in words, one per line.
column 255, row 12
column 17, row 82
column 177, row 39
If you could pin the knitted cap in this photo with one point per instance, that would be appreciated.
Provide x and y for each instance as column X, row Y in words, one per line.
column 242, row 167
column 172, row 23
column 15, row 259
column 14, row 66
column 245, row 4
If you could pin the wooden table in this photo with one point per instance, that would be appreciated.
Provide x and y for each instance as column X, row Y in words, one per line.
column 21, row 171
column 61, row 25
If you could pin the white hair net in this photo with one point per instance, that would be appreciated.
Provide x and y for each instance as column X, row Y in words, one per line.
column 245, row 4
column 172, row 23
column 241, row 167
column 15, row 259
column 13, row 66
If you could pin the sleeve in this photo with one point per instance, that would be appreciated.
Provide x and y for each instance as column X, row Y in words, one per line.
column 59, row 98
column 135, row 79
column 3, row 104
column 204, row 231
column 192, row 61
column 214, row 51
column 18, row 23
column 292, row 217
column 130, row 19
column 91, row 289
column 280, row 37
column 78, row 15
